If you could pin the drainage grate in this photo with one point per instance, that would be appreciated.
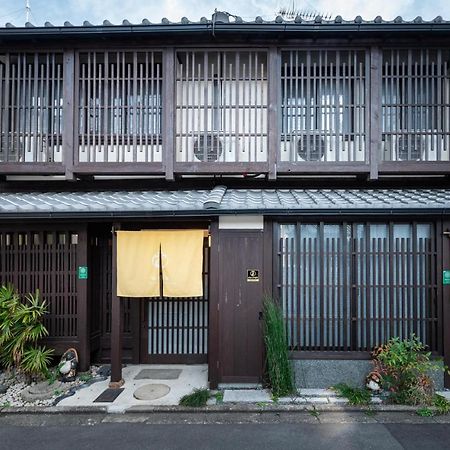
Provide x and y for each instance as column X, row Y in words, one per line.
column 108, row 395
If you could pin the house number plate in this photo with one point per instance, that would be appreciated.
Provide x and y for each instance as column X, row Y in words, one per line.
column 253, row 275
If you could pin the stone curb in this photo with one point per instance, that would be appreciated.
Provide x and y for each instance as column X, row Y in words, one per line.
column 53, row 410
column 232, row 408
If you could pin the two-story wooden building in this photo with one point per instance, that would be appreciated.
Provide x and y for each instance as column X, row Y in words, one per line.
column 315, row 157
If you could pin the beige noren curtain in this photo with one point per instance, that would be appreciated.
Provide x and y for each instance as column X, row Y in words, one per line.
column 138, row 263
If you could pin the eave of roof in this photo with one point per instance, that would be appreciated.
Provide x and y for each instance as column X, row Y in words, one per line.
column 279, row 25
column 220, row 201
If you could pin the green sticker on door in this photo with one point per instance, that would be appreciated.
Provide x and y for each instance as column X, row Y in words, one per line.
column 82, row 272
column 446, row 277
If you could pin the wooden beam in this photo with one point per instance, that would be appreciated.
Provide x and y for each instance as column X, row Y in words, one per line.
column 116, row 320
column 169, row 109
column 374, row 120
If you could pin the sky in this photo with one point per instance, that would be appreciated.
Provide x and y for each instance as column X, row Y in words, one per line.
column 95, row 11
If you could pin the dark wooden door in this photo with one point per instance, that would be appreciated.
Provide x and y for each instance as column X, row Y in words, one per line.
column 240, row 306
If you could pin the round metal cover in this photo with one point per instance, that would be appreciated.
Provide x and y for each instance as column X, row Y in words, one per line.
column 151, row 391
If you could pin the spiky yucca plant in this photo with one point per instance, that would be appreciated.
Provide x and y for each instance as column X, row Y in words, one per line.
column 21, row 328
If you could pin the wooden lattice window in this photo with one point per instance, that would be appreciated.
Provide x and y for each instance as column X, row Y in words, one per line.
column 416, row 105
column 350, row 287
column 120, row 106
column 31, row 107
column 324, row 112
column 221, row 111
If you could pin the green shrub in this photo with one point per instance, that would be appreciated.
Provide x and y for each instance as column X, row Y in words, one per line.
column 405, row 368
column 279, row 370
column 20, row 329
column 354, row 395
column 198, row 398
column 441, row 404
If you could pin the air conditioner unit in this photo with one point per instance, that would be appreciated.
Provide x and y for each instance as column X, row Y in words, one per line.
column 322, row 147
column 314, row 143
column 208, row 147
column 403, row 148
column 15, row 146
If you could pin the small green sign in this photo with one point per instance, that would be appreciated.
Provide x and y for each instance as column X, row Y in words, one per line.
column 82, row 272
column 446, row 277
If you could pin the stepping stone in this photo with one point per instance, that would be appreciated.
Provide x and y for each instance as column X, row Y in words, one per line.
column 43, row 391
column 246, row 396
column 151, row 391
column 158, row 374
column 108, row 395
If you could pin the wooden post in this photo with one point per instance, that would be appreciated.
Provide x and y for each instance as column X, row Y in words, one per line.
column 374, row 120
column 168, row 111
column 445, row 298
column 213, row 333
column 274, row 113
column 116, row 321
column 82, row 298
column 69, row 112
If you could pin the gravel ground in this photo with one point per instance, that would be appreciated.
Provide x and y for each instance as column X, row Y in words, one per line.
column 17, row 384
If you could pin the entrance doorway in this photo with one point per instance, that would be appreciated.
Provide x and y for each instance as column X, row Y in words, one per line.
column 155, row 331
column 240, row 357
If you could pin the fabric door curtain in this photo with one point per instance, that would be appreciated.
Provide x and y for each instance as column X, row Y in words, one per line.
column 175, row 254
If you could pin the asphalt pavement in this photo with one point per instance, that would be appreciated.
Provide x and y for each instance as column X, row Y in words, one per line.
column 223, row 431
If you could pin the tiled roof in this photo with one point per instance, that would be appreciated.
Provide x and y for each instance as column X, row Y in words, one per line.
column 221, row 200
column 221, row 21
column 317, row 20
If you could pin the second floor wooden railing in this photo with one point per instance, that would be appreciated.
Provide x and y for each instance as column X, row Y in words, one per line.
column 241, row 110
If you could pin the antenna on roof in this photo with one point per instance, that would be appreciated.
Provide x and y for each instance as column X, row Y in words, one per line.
column 27, row 11
column 291, row 12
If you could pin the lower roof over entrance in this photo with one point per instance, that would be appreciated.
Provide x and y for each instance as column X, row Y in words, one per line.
column 221, row 200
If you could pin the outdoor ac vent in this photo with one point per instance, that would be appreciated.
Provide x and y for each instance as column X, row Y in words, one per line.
column 15, row 148
column 208, row 148
column 312, row 142
column 409, row 148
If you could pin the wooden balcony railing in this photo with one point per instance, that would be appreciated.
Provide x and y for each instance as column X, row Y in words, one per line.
column 276, row 111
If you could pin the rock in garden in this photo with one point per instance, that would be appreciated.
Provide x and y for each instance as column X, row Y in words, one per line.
column 3, row 388
column 42, row 391
column 104, row 371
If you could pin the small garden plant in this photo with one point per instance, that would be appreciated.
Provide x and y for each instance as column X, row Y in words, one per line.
column 405, row 369
column 279, row 370
column 354, row 395
column 21, row 327
column 196, row 399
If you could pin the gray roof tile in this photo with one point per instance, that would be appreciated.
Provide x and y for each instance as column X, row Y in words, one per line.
column 221, row 200
column 317, row 21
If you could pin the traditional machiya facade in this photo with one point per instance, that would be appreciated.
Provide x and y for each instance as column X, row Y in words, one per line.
column 314, row 157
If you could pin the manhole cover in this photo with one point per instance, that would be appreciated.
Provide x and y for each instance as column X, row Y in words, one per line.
column 151, row 391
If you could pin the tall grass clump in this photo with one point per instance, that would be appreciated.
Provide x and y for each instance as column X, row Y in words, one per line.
column 279, row 370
